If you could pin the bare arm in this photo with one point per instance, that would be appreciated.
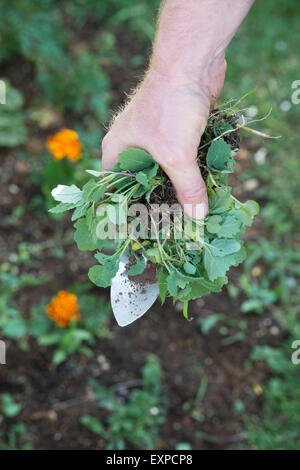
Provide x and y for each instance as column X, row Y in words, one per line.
column 167, row 114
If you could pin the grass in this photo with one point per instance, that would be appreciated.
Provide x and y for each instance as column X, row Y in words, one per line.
column 265, row 55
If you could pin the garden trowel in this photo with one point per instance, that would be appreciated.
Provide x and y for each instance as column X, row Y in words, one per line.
column 130, row 299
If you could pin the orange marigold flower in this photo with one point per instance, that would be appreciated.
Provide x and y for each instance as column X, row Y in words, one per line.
column 65, row 143
column 63, row 308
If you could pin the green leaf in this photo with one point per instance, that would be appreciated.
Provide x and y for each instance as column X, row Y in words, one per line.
column 70, row 194
column 80, row 211
column 151, row 171
column 216, row 266
column 219, row 155
column 189, row 268
column 172, row 284
column 176, row 281
column 62, row 207
column 93, row 424
column 143, row 179
column 135, row 160
column 153, row 254
column 213, row 224
column 93, row 192
column 221, row 201
column 49, row 339
column 98, row 194
column 15, row 328
column 209, row 322
column 97, row 277
column 230, row 227
column 245, row 212
column 223, row 247
column 251, row 207
column 110, row 265
column 196, row 289
column 243, row 215
column 59, row 356
column 91, row 221
column 138, row 267
column 240, row 255
column 9, row 407
column 12, row 127
column 83, row 236
column 162, row 275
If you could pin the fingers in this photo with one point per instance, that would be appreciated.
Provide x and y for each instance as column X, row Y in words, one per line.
column 190, row 188
column 184, row 175
column 110, row 151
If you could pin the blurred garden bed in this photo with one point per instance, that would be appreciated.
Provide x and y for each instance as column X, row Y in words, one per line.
column 69, row 67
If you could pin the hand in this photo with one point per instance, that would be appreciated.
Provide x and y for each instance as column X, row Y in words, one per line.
column 166, row 117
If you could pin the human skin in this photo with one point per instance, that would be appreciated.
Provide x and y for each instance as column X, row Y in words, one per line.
column 167, row 113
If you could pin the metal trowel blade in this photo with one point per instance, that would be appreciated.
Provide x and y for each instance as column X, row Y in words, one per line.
column 130, row 300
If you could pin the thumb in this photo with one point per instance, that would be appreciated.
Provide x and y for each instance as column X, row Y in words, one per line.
column 190, row 188
column 110, row 151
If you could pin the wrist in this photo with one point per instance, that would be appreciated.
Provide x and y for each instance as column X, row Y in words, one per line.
column 206, row 79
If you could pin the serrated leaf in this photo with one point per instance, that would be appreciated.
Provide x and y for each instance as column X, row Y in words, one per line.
column 135, row 160
column 216, row 266
column 196, row 289
column 70, row 194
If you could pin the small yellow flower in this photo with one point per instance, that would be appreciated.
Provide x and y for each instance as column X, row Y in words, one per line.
column 256, row 271
column 65, row 143
column 63, row 308
column 257, row 389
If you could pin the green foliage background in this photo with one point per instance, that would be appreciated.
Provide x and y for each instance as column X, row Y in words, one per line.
column 78, row 79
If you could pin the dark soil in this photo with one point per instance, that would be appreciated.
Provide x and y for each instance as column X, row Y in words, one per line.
column 54, row 398
column 147, row 277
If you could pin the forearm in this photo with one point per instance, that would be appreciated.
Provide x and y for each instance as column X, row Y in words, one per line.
column 167, row 114
column 192, row 34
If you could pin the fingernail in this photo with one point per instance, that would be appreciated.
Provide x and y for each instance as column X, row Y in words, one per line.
column 200, row 210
